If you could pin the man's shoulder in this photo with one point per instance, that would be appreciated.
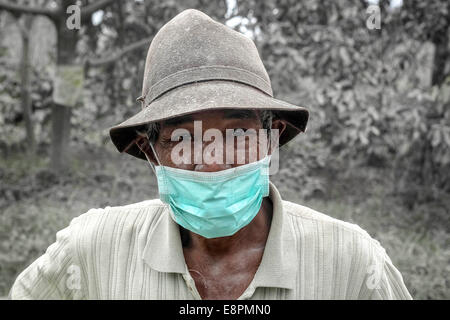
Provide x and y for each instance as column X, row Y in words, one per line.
column 320, row 224
column 344, row 252
column 115, row 222
column 149, row 206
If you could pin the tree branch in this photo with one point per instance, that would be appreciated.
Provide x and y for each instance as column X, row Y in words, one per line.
column 116, row 56
column 87, row 11
column 19, row 9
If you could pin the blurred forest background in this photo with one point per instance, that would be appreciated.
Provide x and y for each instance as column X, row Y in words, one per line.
column 376, row 152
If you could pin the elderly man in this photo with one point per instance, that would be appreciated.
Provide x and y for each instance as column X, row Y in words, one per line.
column 220, row 229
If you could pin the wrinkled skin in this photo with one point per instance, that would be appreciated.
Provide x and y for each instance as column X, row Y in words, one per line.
column 222, row 268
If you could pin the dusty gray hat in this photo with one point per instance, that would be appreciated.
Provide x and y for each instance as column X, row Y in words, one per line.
column 195, row 64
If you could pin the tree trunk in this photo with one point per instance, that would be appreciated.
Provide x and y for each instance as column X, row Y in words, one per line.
column 66, row 54
column 440, row 40
column 25, row 85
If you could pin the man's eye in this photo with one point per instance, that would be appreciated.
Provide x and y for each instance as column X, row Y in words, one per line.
column 181, row 136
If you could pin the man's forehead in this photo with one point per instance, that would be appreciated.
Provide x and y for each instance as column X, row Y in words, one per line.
column 211, row 114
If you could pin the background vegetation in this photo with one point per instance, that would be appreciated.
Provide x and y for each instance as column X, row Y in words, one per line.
column 376, row 153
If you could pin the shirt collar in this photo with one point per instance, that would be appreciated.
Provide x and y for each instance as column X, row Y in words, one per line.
column 164, row 253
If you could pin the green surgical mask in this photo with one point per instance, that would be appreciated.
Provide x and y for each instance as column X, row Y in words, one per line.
column 214, row 204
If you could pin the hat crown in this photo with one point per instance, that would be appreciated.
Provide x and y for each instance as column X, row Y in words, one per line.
column 192, row 47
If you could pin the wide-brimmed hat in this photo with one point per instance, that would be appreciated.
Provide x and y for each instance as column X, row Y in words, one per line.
column 197, row 64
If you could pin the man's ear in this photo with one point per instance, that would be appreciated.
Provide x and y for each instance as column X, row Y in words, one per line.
column 144, row 146
column 280, row 125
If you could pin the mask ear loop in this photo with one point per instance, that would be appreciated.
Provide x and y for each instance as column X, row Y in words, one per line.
column 145, row 135
column 154, row 152
column 268, row 153
column 152, row 165
column 154, row 170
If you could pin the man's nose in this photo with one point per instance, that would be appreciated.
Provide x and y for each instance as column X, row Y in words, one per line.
column 210, row 165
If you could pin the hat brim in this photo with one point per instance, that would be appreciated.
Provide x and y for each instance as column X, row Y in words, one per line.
column 204, row 96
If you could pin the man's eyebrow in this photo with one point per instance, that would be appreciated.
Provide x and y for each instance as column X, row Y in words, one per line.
column 240, row 114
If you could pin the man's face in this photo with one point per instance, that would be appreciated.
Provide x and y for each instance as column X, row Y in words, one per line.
column 212, row 140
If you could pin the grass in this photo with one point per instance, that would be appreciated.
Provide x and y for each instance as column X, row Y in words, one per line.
column 35, row 204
